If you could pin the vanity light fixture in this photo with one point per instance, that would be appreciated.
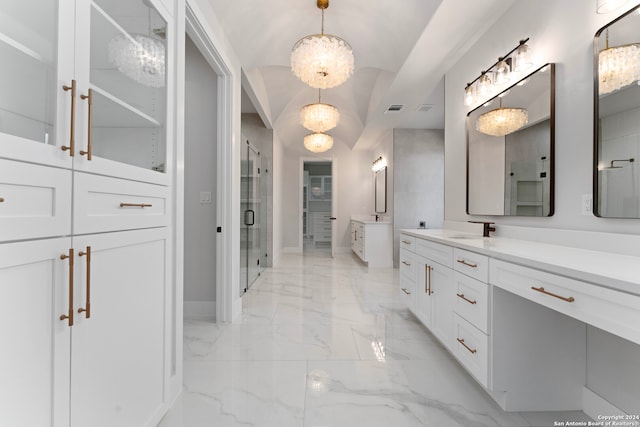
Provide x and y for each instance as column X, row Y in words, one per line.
column 497, row 75
column 319, row 117
column 321, row 60
column 502, row 121
column 612, row 165
column 378, row 164
column 606, row 6
column 618, row 66
column 318, row 142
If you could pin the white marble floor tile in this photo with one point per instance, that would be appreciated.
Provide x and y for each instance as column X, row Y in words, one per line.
column 327, row 342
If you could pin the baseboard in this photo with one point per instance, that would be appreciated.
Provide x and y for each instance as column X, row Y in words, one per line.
column 200, row 310
column 597, row 407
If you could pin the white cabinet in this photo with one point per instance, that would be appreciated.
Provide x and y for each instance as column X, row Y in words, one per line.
column 83, row 147
column 320, row 187
column 321, row 226
column 372, row 242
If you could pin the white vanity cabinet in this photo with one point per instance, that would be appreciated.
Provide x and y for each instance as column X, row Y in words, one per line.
column 85, row 225
column 372, row 241
column 408, row 271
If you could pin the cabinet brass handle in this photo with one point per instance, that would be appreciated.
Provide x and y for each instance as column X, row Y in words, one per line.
column 466, row 299
column 406, row 242
column 137, row 205
column 69, row 316
column 408, row 264
column 1, row 199
column 461, row 261
column 87, row 309
column 541, row 290
column 406, row 291
column 471, row 350
column 72, row 135
column 427, row 271
column 89, row 98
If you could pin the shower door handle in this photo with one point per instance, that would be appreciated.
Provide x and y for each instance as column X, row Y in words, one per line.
column 249, row 217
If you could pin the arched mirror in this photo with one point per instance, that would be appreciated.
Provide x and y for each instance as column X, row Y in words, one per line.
column 616, row 186
column 510, row 145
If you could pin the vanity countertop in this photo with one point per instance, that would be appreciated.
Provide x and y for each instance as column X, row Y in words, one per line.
column 368, row 220
column 615, row 271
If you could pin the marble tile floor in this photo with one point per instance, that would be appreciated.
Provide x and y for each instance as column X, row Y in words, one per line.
column 326, row 342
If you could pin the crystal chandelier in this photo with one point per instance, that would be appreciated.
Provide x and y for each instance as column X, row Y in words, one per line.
column 618, row 66
column 502, row 121
column 321, row 60
column 319, row 117
column 318, row 142
column 139, row 57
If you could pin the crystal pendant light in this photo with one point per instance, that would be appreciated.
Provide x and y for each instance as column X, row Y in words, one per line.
column 321, row 60
column 318, row 142
column 319, row 117
column 502, row 121
column 139, row 57
column 618, row 66
column 606, row 6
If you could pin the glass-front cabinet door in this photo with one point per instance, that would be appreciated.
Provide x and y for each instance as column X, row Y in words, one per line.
column 36, row 50
column 123, row 86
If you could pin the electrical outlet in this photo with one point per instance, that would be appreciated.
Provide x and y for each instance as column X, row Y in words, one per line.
column 205, row 197
column 587, row 204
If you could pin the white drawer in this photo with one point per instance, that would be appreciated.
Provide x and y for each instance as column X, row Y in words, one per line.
column 35, row 201
column 471, row 347
column 437, row 252
column 109, row 204
column 471, row 264
column 407, row 263
column 472, row 301
column 408, row 292
column 613, row 311
column 408, row 242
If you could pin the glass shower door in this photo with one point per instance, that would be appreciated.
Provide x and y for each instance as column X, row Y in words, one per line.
column 250, row 245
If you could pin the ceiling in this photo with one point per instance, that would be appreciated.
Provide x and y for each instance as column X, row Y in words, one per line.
column 402, row 50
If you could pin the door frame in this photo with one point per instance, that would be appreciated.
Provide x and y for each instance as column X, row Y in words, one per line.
column 334, row 198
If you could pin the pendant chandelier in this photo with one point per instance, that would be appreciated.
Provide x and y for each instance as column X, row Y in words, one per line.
column 319, row 117
column 618, row 66
column 321, row 60
column 318, row 142
column 140, row 57
column 502, row 121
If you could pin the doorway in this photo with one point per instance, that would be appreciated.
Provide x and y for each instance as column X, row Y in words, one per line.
column 317, row 207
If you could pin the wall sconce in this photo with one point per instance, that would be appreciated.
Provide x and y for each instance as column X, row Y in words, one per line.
column 606, row 6
column 378, row 164
column 491, row 80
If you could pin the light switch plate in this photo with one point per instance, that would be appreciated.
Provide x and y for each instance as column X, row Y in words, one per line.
column 205, row 197
column 587, row 204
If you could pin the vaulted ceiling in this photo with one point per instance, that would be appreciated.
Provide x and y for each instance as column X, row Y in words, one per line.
column 402, row 50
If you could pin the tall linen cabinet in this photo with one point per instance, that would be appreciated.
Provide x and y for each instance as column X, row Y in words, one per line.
column 86, row 226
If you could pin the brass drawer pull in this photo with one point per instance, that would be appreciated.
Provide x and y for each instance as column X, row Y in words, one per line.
column 406, row 242
column 541, row 290
column 406, row 263
column 87, row 309
column 89, row 99
column 406, row 291
column 471, row 350
column 466, row 299
column 136, row 205
column 1, row 199
column 461, row 261
column 427, row 271
column 69, row 316
column 72, row 131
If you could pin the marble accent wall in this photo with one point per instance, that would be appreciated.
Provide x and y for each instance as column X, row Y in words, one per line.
column 418, row 181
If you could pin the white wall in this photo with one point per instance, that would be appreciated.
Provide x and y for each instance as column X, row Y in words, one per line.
column 561, row 32
column 278, row 184
column 353, row 190
column 199, row 176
